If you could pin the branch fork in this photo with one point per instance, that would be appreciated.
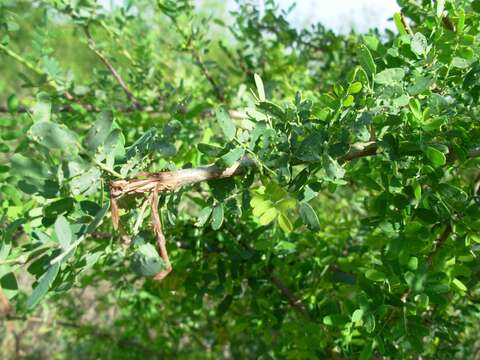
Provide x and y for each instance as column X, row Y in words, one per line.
column 152, row 187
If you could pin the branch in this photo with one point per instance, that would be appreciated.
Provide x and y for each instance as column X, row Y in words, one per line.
column 216, row 88
column 161, row 242
column 93, row 46
column 35, row 69
column 407, row 27
column 5, row 304
column 171, row 180
column 439, row 244
column 293, row 300
column 199, row 61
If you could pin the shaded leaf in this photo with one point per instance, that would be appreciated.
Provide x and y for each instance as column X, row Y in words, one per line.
column 226, row 123
column 43, row 286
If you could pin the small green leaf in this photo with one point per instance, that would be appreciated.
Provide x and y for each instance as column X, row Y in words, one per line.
column 43, row 286
column 333, row 168
column 232, row 156
column 260, row 88
column 369, row 322
column 23, row 166
column 260, row 205
column 366, row 60
column 413, row 263
column 459, row 285
column 390, row 76
column 13, row 103
column 203, row 216
column 460, row 63
column 217, row 217
column 87, row 183
column 401, row 101
column 41, row 112
column 284, row 223
column 355, row 87
column 210, row 150
column 397, row 19
column 375, row 275
column 146, row 261
column 435, row 156
column 338, row 320
column 99, row 131
column 285, row 246
column 348, row 101
column 63, row 232
column 357, row 317
column 268, row 216
column 415, row 107
column 309, row 216
column 226, row 123
column 440, row 7
column 52, row 135
column 419, row 44
column 97, row 220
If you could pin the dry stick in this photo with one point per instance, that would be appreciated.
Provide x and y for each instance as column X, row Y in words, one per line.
column 157, row 229
column 93, row 46
column 6, row 307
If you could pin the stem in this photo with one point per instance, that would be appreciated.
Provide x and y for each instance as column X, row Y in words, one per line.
column 293, row 300
column 67, row 250
column 220, row 95
column 35, row 69
column 93, row 46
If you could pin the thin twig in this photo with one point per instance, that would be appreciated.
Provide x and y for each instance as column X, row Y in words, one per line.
column 206, row 72
column 6, row 307
column 407, row 27
column 293, row 300
column 17, row 57
column 161, row 242
column 93, row 46
column 439, row 243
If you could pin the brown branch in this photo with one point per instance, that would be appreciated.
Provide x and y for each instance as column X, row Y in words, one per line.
column 157, row 229
column 5, row 304
column 439, row 243
column 293, row 300
column 93, row 46
column 219, row 93
column 206, row 72
column 407, row 27
column 448, row 24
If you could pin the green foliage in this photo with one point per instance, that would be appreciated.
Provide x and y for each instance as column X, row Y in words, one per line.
column 340, row 217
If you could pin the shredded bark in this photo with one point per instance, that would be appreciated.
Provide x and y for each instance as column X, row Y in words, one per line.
column 5, row 304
